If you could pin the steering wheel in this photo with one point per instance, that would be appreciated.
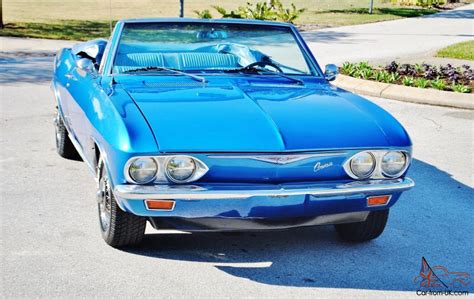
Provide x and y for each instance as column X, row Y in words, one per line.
column 262, row 64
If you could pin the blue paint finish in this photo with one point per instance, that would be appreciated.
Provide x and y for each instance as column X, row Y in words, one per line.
column 136, row 115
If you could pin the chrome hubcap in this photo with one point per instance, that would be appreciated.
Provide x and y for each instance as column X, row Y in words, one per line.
column 104, row 200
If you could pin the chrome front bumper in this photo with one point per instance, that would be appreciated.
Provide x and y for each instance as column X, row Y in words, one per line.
column 244, row 191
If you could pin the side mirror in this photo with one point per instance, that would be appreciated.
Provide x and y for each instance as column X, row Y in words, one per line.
column 86, row 66
column 331, row 72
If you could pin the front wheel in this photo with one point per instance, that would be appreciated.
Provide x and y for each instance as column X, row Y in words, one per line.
column 367, row 230
column 119, row 228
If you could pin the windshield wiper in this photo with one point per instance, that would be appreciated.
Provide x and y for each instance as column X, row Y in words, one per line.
column 254, row 70
column 159, row 68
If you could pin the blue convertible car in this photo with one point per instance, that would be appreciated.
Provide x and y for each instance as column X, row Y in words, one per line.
column 221, row 125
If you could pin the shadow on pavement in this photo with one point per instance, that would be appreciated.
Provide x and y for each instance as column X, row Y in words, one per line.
column 25, row 68
column 454, row 14
column 325, row 36
column 433, row 220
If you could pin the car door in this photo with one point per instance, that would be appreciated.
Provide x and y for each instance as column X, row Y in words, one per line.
column 84, row 86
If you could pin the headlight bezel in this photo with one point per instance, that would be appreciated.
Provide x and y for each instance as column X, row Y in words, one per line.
column 400, row 172
column 369, row 174
column 170, row 176
column 161, row 176
column 129, row 175
column 378, row 173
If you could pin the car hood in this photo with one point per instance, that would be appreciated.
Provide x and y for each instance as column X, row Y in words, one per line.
column 243, row 115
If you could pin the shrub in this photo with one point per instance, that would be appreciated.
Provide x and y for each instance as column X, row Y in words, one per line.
column 239, row 14
column 431, row 72
column 380, row 76
column 422, row 82
column 261, row 11
column 394, row 77
column 468, row 73
column 460, row 88
column 363, row 65
column 408, row 81
column 366, row 74
column 419, row 68
column 438, row 84
column 392, row 67
column 270, row 11
column 289, row 15
column 422, row 3
column 451, row 73
column 424, row 75
column 203, row 14
column 348, row 68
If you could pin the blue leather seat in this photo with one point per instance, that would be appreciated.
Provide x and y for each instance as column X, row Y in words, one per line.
column 182, row 61
column 124, row 62
column 214, row 61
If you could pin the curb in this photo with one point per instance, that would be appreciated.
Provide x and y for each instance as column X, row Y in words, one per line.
column 405, row 93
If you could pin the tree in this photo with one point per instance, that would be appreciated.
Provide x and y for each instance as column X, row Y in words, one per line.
column 371, row 8
column 1, row 15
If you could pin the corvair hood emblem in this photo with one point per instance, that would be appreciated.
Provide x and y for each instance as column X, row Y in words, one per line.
column 282, row 159
column 320, row 166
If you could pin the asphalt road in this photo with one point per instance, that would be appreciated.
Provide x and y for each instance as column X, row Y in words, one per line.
column 51, row 244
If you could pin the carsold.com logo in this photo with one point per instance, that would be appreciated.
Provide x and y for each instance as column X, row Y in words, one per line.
column 438, row 281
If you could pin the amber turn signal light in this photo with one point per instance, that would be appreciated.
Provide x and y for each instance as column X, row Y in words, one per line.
column 379, row 200
column 164, row 205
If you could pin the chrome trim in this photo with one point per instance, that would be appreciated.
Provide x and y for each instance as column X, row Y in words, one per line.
column 115, row 39
column 330, row 72
column 171, row 178
column 128, row 176
column 191, row 192
column 407, row 163
column 351, row 171
column 378, row 155
column 161, row 161
column 281, row 159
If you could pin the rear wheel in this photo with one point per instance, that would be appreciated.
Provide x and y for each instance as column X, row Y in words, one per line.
column 64, row 145
column 119, row 228
column 367, row 230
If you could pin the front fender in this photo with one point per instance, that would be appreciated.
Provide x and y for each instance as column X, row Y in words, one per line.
column 120, row 131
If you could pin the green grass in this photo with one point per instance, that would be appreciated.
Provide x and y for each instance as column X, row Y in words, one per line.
column 354, row 16
column 69, row 30
column 85, row 19
column 94, row 10
column 464, row 50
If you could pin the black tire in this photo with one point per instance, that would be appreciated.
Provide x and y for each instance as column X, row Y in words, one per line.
column 124, row 229
column 367, row 230
column 64, row 145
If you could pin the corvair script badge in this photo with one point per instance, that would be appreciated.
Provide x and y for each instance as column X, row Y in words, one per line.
column 319, row 166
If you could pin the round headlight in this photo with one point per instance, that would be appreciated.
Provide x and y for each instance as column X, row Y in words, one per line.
column 393, row 163
column 143, row 170
column 362, row 165
column 180, row 168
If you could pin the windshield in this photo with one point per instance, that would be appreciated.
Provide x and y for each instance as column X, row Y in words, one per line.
column 196, row 47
